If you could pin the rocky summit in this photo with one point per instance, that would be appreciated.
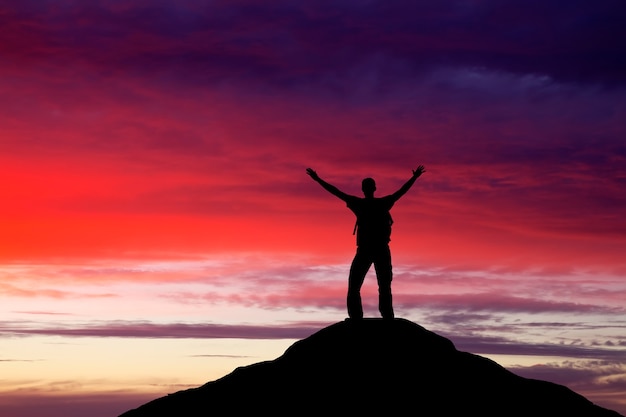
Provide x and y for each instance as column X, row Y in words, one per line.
column 374, row 366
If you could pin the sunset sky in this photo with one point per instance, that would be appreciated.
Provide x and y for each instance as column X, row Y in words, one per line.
column 158, row 228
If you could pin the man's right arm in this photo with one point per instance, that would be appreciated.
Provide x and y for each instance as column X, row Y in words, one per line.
column 328, row 187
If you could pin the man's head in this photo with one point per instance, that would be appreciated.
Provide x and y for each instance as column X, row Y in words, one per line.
column 368, row 185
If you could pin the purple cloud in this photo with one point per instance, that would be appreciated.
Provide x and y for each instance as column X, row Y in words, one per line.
column 145, row 329
column 499, row 302
column 466, row 340
column 326, row 43
column 602, row 381
column 494, row 345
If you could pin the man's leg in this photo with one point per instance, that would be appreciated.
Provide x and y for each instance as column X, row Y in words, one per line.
column 360, row 265
column 384, row 275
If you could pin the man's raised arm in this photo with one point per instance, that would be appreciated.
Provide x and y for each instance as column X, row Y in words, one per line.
column 328, row 187
column 416, row 173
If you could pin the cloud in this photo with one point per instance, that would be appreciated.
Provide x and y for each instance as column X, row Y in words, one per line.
column 42, row 400
column 17, row 291
column 601, row 381
column 299, row 288
column 44, row 313
column 219, row 356
column 477, row 302
column 579, row 373
column 146, row 329
column 153, row 114
column 327, row 44
column 495, row 345
column 464, row 340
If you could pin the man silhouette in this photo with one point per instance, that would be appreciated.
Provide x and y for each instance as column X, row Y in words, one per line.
column 373, row 231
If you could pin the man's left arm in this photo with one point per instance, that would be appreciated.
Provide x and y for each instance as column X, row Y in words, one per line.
column 416, row 173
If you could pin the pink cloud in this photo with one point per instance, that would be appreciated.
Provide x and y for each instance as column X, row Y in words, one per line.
column 16, row 291
column 500, row 302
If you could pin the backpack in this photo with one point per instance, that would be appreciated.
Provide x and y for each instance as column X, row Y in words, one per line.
column 388, row 218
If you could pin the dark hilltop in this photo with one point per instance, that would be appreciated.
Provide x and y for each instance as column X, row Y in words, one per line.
column 374, row 366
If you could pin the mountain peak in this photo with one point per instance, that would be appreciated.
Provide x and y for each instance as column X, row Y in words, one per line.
column 375, row 366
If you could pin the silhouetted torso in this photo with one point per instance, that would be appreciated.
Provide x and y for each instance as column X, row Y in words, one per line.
column 373, row 226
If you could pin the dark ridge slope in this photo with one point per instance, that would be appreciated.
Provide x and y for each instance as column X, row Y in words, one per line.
column 374, row 366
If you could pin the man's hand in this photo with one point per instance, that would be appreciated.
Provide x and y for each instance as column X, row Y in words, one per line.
column 312, row 174
column 419, row 171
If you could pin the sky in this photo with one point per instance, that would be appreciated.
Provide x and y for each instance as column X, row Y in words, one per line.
column 158, row 228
